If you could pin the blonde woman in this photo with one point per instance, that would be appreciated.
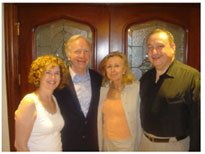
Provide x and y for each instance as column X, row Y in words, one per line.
column 38, row 120
column 119, row 126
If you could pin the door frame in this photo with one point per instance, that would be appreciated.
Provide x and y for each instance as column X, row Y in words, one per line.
column 11, row 60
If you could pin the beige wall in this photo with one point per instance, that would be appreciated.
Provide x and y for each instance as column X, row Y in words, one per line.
column 5, row 129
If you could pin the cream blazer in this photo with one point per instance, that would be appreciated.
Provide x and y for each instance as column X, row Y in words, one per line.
column 131, row 104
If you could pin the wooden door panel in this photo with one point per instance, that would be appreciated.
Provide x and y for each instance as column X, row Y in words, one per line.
column 94, row 15
column 32, row 16
column 184, row 15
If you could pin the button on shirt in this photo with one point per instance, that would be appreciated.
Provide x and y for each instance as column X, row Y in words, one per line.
column 171, row 107
column 82, row 86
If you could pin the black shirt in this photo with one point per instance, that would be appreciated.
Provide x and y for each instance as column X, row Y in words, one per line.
column 171, row 107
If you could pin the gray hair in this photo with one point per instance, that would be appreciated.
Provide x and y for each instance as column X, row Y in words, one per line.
column 74, row 38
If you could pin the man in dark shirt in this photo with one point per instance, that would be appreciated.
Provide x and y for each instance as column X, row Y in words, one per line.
column 170, row 99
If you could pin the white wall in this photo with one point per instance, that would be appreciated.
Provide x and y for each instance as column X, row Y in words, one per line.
column 5, row 129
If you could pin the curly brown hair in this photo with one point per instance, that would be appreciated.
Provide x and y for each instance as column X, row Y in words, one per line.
column 127, row 78
column 39, row 65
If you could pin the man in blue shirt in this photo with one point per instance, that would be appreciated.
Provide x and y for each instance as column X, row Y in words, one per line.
column 79, row 100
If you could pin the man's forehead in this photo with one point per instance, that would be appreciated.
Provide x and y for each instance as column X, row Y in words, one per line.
column 158, row 37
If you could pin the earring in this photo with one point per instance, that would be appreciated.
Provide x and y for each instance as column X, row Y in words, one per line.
column 68, row 61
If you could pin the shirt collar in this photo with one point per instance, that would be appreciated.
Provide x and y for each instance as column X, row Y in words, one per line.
column 78, row 78
column 73, row 74
column 171, row 70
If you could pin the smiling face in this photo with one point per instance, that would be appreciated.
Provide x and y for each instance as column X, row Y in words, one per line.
column 50, row 78
column 160, row 52
column 79, row 56
column 115, row 69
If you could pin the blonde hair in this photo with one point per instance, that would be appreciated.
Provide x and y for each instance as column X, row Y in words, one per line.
column 127, row 77
column 74, row 38
column 39, row 65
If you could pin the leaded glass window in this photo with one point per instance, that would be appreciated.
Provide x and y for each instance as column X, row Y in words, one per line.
column 137, row 53
column 50, row 38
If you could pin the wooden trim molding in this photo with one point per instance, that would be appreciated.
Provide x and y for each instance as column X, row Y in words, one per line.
column 11, row 59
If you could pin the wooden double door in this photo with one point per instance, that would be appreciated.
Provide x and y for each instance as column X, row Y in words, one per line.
column 109, row 23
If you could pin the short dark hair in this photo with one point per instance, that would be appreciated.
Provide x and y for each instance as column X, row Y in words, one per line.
column 170, row 36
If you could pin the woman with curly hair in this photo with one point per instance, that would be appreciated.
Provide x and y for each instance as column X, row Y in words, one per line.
column 119, row 127
column 38, row 120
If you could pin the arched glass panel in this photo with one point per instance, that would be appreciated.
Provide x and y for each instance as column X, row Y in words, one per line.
column 50, row 38
column 137, row 53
